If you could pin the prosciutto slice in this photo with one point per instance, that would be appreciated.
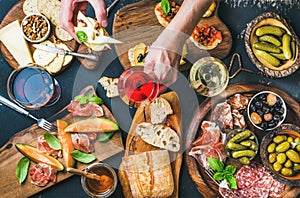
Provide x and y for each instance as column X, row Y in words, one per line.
column 208, row 144
column 222, row 115
column 87, row 110
column 43, row 146
column 42, row 174
column 84, row 141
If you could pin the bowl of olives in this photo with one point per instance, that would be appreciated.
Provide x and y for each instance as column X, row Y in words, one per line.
column 280, row 153
column 266, row 110
column 242, row 145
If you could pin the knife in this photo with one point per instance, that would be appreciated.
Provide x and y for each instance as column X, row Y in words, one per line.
column 92, row 57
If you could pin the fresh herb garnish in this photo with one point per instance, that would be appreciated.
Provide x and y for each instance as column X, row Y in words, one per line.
column 22, row 169
column 106, row 136
column 89, row 98
column 222, row 172
column 166, row 7
column 81, row 35
column 53, row 142
column 83, row 157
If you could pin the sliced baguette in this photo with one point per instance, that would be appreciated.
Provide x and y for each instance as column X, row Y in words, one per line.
column 159, row 136
column 42, row 57
column 160, row 108
column 30, row 7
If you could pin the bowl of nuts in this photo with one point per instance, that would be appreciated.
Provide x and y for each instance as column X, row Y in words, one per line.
column 266, row 110
column 35, row 28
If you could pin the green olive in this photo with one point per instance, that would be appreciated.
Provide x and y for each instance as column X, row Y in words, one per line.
column 290, row 139
column 277, row 167
column 282, row 147
column 288, row 164
column 281, row 158
column 296, row 167
column 244, row 160
column 251, row 137
column 297, row 139
column 286, row 171
column 279, row 138
column 298, row 147
column 271, row 148
column 293, row 156
column 272, row 158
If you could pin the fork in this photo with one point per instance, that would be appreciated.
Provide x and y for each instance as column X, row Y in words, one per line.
column 40, row 121
column 210, row 173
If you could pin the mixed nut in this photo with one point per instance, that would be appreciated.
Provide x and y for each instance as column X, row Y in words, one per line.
column 35, row 27
column 266, row 110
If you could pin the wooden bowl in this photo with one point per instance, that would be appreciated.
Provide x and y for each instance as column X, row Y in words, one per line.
column 270, row 18
column 288, row 129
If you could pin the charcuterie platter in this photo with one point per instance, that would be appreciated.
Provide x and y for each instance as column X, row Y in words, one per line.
column 204, row 184
column 137, row 23
column 10, row 156
column 136, row 145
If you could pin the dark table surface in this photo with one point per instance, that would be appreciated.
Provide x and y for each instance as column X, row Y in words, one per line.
column 236, row 14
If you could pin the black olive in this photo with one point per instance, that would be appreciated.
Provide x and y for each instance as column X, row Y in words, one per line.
column 140, row 58
column 276, row 117
column 271, row 124
column 265, row 109
column 281, row 110
column 264, row 125
column 260, row 113
column 258, row 104
column 252, row 108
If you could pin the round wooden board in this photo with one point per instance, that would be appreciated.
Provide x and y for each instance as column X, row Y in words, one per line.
column 16, row 13
column 203, row 183
column 134, row 144
column 136, row 23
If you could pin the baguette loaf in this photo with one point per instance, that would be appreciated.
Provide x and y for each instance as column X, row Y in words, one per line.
column 160, row 108
column 158, row 136
column 149, row 174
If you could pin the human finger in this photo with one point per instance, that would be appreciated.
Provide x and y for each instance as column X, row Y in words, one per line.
column 100, row 11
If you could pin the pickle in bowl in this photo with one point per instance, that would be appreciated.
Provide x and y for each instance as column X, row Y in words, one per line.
column 242, row 145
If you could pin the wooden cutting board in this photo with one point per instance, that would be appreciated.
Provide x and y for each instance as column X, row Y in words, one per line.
column 9, row 157
column 203, row 183
column 135, row 23
column 134, row 144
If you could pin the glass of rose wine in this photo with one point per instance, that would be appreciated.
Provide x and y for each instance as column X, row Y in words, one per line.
column 32, row 87
column 137, row 88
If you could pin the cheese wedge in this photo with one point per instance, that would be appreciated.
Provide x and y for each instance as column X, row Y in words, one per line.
column 11, row 36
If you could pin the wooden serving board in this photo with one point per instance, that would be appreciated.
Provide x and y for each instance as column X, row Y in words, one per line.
column 203, row 183
column 9, row 157
column 134, row 144
column 136, row 23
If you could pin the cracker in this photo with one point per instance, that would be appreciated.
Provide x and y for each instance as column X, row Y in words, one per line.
column 30, row 7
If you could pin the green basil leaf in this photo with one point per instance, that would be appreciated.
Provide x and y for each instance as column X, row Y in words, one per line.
column 230, row 179
column 96, row 100
column 90, row 96
column 79, row 97
column 106, row 136
column 81, row 35
column 231, row 169
column 165, row 5
column 83, row 157
column 22, row 169
column 219, row 176
column 83, row 100
column 216, row 164
column 53, row 142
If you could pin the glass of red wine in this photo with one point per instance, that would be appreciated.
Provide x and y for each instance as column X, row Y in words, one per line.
column 32, row 87
column 137, row 88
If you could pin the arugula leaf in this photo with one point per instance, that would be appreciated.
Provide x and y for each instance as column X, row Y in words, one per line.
column 83, row 157
column 95, row 100
column 22, row 169
column 79, row 97
column 166, row 7
column 105, row 136
column 215, row 164
column 90, row 96
column 81, row 35
column 231, row 169
column 219, row 176
column 230, row 179
column 53, row 142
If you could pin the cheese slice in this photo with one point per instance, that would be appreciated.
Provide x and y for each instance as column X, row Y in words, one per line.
column 11, row 36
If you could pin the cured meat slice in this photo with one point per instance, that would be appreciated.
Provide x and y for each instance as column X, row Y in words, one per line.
column 247, row 176
column 42, row 174
column 276, row 189
column 43, row 146
column 84, row 141
column 87, row 110
column 222, row 115
column 238, row 102
column 238, row 119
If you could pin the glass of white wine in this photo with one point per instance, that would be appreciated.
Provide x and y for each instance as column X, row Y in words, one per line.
column 209, row 76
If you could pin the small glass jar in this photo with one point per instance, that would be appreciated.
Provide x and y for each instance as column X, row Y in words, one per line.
column 103, row 188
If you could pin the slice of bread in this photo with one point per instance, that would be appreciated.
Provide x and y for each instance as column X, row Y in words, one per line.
column 160, row 108
column 30, row 7
column 159, row 136
column 110, row 85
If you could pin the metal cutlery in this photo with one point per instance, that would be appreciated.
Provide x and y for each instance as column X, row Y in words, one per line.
column 40, row 121
column 211, row 173
column 111, row 6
